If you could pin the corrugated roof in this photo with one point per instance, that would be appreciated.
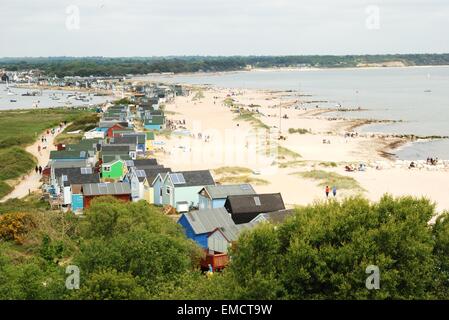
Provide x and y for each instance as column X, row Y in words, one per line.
column 112, row 158
column 223, row 191
column 205, row 221
column 68, row 163
column 76, row 176
column 115, row 148
column 68, row 155
column 99, row 189
column 123, row 140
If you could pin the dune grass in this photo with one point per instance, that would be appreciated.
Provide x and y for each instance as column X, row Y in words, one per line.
column 300, row 131
column 242, row 179
column 292, row 164
column 329, row 164
column 229, row 102
column 198, row 95
column 287, row 153
column 330, row 179
column 252, row 118
column 232, row 170
column 66, row 138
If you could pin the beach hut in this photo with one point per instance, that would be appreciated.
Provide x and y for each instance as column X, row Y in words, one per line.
column 199, row 225
column 119, row 190
column 110, row 131
column 157, row 187
column 214, row 231
column 215, row 196
column 244, row 208
column 184, row 187
column 155, row 122
column 113, row 169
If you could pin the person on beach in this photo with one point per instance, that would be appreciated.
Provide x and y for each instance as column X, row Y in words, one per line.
column 334, row 191
column 40, row 170
column 39, row 148
column 327, row 191
column 36, row 169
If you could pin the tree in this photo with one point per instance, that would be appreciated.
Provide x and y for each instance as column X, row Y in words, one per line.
column 323, row 252
column 109, row 284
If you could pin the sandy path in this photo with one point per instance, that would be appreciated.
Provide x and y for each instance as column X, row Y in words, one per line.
column 31, row 182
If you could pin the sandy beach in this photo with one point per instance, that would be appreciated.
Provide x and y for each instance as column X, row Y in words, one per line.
column 209, row 133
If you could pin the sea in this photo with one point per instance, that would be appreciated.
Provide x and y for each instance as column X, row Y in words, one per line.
column 12, row 97
column 416, row 97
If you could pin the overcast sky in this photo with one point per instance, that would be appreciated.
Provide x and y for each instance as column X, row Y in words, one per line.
column 221, row 27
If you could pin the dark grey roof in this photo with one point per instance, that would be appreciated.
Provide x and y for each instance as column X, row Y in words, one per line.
column 68, row 163
column 151, row 174
column 141, row 163
column 245, row 208
column 205, row 221
column 68, row 155
column 78, row 175
column 115, row 148
column 223, row 191
column 99, row 189
column 123, row 140
column 194, row 178
column 109, row 124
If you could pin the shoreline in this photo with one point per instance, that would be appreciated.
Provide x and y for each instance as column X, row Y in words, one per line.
column 280, row 69
column 315, row 145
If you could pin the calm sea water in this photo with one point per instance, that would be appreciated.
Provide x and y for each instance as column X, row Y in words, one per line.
column 44, row 100
column 417, row 96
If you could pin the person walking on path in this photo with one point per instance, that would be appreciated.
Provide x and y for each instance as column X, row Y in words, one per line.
column 40, row 170
column 36, row 169
column 39, row 148
column 327, row 191
column 334, row 191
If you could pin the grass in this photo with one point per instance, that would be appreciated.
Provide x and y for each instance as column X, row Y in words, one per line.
column 329, row 164
column 4, row 188
column 66, row 138
column 287, row 153
column 229, row 102
column 291, row 164
column 19, row 128
column 300, row 131
column 252, row 118
column 15, row 162
column 198, row 95
column 29, row 203
column 22, row 127
column 331, row 179
column 243, row 179
column 167, row 133
column 232, row 171
column 84, row 123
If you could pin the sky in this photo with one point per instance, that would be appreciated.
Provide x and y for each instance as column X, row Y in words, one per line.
column 221, row 28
